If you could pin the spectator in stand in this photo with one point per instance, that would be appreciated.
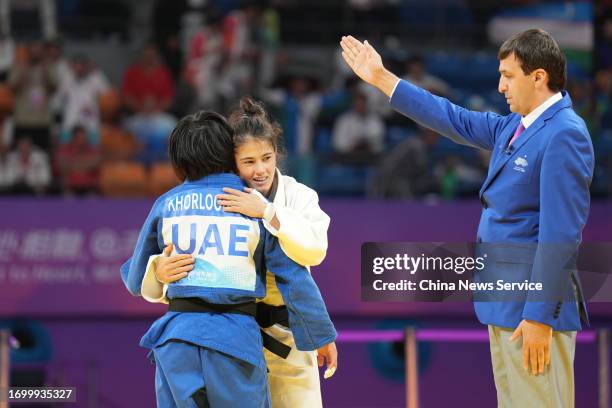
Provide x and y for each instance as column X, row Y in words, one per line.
column 343, row 79
column 33, row 84
column 152, row 128
column 408, row 171
column 242, row 47
column 77, row 163
column 358, row 130
column 269, row 45
column 299, row 105
column 115, row 142
column 148, row 80
column 61, row 65
column 418, row 75
column 63, row 72
column 27, row 168
column 204, row 61
column 81, row 94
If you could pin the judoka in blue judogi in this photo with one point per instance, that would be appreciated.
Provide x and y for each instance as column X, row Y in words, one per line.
column 208, row 347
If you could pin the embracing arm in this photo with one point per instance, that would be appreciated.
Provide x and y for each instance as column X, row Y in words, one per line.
column 153, row 290
column 301, row 226
column 302, row 230
column 163, row 269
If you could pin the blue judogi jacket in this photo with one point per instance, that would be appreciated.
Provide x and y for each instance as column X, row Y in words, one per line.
column 232, row 255
column 535, row 201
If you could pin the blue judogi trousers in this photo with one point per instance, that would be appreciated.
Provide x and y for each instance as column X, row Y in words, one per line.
column 190, row 376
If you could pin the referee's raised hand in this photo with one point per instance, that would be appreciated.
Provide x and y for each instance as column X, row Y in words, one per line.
column 367, row 64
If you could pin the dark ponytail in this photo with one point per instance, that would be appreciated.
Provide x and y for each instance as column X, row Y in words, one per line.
column 252, row 120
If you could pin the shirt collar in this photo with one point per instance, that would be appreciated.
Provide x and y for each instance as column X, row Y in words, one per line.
column 531, row 117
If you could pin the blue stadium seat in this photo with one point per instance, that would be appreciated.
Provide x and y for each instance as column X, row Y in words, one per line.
column 342, row 180
column 322, row 142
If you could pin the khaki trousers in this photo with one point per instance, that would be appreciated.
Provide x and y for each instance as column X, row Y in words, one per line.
column 516, row 388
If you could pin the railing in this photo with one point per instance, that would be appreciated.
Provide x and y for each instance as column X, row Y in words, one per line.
column 411, row 336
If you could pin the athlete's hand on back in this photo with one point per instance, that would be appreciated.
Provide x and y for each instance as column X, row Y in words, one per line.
column 172, row 268
column 243, row 202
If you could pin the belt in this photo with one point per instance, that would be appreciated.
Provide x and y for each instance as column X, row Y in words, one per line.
column 265, row 315
column 268, row 315
column 201, row 306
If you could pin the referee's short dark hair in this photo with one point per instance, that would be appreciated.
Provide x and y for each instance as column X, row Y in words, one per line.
column 201, row 144
column 535, row 49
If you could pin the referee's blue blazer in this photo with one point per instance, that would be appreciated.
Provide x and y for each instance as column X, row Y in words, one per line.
column 535, row 201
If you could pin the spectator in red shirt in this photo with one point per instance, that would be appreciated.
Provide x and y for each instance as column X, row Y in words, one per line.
column 78, row 163
column 148, row 79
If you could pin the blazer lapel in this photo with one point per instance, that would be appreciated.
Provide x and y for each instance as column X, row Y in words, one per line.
column 507, row 154
column 504, row 156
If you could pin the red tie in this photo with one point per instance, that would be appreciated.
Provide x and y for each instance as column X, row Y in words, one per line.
column 517, row 133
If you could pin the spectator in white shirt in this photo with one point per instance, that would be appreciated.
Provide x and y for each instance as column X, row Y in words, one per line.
column 63, row 72
column 27, row 168
column 81, row 95
column 359, row 130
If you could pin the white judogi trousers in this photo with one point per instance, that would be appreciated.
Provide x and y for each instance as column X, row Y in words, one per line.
column 294, row 381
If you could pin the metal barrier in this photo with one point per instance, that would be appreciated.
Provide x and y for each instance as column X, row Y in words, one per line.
column 411, row 336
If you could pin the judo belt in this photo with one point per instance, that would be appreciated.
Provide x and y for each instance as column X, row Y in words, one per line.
column 269, row 316
column 200, row 306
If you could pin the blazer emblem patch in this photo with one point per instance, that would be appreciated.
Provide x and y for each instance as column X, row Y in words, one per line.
column 520, row 164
